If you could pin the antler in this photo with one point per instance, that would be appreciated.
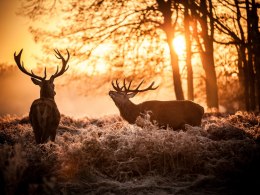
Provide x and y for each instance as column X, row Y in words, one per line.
column 136, row 90
column 64, row 63
column 117, row 88
column 17, row 59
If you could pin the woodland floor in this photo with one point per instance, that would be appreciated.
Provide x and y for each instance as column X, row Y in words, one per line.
column 109, row 156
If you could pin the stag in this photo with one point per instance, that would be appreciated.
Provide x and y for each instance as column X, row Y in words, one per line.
column 174, row 114
column 44, row 114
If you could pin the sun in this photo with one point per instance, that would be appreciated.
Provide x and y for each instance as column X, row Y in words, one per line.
column 178, row 44
column 101, row 66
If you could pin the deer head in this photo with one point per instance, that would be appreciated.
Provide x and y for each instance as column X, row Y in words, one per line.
column 121, row 95
column 47, row 86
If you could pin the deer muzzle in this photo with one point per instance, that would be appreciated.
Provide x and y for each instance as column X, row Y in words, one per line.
column 112, row 94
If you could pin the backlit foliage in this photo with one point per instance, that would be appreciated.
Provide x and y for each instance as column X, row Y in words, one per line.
column 110, row 39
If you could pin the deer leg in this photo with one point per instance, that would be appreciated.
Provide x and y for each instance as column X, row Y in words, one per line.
column 53, row 135
column 182, row 125
column 37, row 130
column 45, row 136
column 37, row 136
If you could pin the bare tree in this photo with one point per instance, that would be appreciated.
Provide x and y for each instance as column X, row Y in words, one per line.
column 241, row 26
column 203, row 27
column 255, row 41
column 187, row 23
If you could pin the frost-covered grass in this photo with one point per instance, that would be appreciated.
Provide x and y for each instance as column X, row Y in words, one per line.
column 109, row 156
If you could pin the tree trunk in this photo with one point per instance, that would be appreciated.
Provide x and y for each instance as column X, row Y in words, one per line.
column 175, row 68
column 250, row 57
column 257, row 69
column 242, row 74
column 211, row 79
column 207, row 55
column 165, row 7
column 188, row 52
column 257, row 65
column 255, row 50
column 242, row 59
column 246, row 75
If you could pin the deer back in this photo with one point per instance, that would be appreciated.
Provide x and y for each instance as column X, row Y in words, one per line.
column 44, row 117
column 173, row 113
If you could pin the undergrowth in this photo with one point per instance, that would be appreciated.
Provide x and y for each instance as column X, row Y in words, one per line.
column 108, row 155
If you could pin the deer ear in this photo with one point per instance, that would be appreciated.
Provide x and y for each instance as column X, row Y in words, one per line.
column 131, row 95
column 36, row 82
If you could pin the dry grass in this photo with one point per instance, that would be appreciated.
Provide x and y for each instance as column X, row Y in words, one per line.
column 109, row 156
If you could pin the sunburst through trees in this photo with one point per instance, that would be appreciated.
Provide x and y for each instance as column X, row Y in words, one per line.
column 155, row 27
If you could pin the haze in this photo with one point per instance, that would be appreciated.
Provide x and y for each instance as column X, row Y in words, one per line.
column 17, row 90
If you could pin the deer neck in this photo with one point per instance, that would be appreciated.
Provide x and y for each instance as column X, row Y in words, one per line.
column 129, row 111
column 46, row 94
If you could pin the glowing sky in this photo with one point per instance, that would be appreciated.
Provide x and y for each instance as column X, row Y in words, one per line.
column 14, row 33
column 17, row 90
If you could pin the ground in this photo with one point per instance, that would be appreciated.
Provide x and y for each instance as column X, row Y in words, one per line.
column 109, row 156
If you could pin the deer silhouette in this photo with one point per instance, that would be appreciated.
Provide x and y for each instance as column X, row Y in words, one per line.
column 44, row 114
column 174, row 114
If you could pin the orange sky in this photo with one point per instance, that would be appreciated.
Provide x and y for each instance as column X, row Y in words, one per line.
column 14, row 33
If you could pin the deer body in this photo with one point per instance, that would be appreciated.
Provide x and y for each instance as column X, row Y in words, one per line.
column 44, row 114
column 174, row 114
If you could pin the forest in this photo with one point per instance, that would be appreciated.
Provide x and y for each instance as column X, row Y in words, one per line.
column 206, row 51
column 218, row 66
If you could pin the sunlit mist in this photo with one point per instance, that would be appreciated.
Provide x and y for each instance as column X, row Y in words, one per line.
column 103, row 49
column 179, row 44
column 101, row 66
column 100, row 57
